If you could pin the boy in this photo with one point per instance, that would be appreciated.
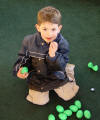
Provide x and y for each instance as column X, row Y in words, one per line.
column 45, row 53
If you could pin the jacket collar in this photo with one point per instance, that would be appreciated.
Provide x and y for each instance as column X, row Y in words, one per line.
column 41, row 41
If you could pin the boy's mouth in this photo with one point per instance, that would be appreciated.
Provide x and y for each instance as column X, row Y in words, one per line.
column 48, row 38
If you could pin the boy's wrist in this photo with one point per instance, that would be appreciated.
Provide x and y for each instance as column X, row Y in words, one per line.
column 51, row 58
column 52, row 55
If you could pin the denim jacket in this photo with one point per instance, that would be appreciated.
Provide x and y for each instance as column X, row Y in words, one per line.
column 34, row 55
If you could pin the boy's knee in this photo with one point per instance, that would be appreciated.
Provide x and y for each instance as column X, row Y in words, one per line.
column 39, row 98
column 68, row 91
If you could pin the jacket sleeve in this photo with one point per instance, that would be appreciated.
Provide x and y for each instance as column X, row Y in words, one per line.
column 22, row 57
column 61, row 57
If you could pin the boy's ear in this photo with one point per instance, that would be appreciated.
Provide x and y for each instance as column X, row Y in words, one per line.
column 37, row 27
column 60, row 27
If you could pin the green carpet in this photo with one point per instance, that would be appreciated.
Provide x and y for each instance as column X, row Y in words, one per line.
column 81, row 26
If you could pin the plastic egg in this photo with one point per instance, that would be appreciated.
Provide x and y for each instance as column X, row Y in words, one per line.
column 51, row 117
column 24, row 70
column 79, row 114
column 59, row 108
column 68, row 112
column 90, row 64
column 92, row 89
column 78, row 104
column 87, row 114
column 62, row 116
column 95, row 68
column 73, row 108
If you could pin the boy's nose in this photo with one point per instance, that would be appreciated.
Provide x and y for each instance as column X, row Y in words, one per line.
column 49, row 34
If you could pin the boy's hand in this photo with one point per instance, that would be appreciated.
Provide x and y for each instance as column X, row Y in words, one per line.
column 53, row 48
column 22, row 76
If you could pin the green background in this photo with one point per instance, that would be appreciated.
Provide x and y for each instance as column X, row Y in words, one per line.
column 81, row 27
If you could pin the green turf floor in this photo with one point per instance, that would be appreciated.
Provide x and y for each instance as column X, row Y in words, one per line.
column 81, row 26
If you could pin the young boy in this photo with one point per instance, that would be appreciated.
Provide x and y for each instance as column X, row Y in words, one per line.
column 45, row 53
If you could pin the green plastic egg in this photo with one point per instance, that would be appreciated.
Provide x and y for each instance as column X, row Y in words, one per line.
column 73, row 108
column 78, row 104
column 79, row 114
column 51, row 117
column 59, row 108
column 95, row 68
column 87, row 114
column 90, row 64
column 62, row 116
column 68, row 112
column 24, row 70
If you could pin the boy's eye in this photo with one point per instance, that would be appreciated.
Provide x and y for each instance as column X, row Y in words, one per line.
column 53, row 29
column 44, row 29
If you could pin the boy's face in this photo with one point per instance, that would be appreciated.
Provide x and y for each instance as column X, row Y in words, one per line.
column 49, row 31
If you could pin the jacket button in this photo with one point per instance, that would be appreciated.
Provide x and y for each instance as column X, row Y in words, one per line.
column 41, row 88
column 42, row 44
column 38, row 71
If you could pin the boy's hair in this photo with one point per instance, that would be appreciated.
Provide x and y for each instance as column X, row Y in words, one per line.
column 49, row 14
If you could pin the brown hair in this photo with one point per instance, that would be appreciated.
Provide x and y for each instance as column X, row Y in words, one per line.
column 49, row 14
